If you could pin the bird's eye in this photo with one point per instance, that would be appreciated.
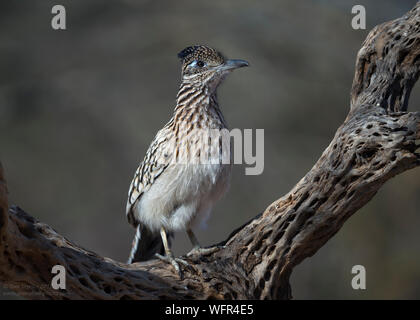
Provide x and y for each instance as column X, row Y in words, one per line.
column 197, row 64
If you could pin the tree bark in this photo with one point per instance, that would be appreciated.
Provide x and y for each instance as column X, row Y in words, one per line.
column 376, row 142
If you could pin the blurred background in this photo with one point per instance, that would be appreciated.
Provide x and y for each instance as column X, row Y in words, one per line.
column 78, row 109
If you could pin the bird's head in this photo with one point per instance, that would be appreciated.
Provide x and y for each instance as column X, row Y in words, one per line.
column 206, row 66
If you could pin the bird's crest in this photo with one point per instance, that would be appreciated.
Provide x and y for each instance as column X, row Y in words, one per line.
column 200, row 52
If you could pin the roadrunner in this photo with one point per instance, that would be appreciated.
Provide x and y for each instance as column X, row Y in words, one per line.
column 171, row 192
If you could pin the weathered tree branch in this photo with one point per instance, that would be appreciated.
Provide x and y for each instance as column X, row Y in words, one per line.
column 376, row 142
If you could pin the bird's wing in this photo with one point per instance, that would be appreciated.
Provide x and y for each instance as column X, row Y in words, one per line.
column 156, row 160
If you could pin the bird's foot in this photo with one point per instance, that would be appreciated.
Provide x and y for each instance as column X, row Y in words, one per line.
column 204, row 251
column 174, row 262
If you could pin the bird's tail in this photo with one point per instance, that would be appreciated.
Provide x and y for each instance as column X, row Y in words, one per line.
column 146, row 244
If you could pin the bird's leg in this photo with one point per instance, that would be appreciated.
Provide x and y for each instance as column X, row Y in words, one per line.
column 196, row 245
column 193, row 239
column 168, row 257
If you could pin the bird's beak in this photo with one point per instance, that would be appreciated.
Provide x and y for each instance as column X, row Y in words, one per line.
column 234, row 64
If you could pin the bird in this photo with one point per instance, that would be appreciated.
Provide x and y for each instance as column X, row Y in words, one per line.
column 170, row 191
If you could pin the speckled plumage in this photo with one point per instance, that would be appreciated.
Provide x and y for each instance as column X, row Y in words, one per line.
column 169, row 191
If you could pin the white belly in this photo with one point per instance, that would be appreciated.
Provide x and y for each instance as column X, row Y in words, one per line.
column 183, row 196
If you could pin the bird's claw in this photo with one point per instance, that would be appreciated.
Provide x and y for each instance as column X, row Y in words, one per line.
column 204, row 251
column 175, row 263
